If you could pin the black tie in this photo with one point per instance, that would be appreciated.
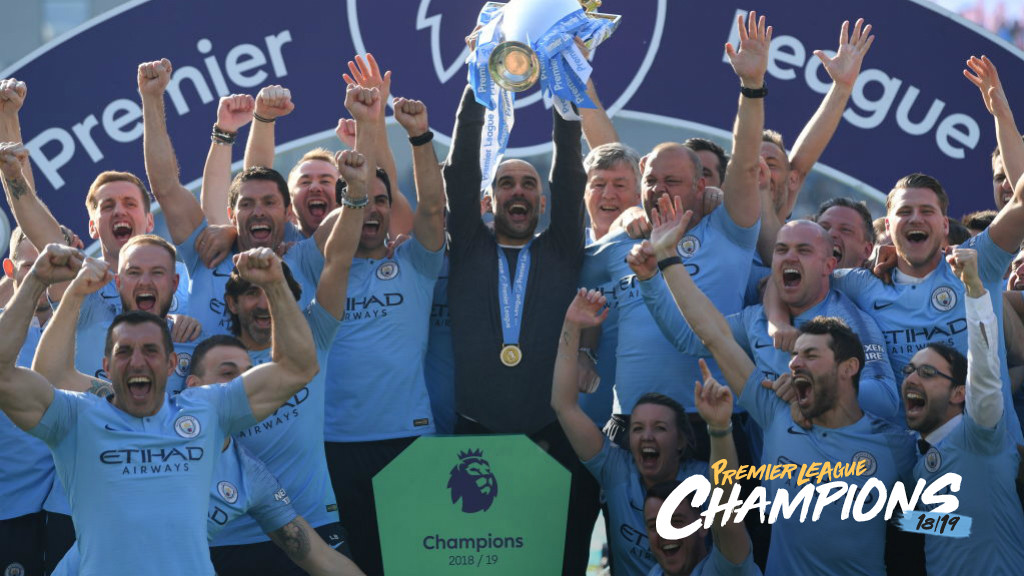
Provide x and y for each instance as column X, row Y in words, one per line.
column 923, row 446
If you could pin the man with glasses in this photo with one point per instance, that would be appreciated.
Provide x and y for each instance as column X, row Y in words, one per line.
column 956, row 404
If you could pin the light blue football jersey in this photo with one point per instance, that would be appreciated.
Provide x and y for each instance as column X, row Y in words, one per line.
column 851, row 547
column 878, row 391
column 911, row 316
column 120, row 469
column 290, row 444
column 376, row 388
column 647, row 361
column 623, row 492
column 241, row 485
column 27, row 473
column 987, row 461
column 439, row 363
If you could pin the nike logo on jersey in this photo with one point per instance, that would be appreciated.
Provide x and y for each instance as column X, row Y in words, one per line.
column 217, row 272
column 882, row 306
column 107, row 426
column 760, row 345
column 797, row 431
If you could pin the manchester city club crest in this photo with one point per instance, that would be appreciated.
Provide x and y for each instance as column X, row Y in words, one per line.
column 932, row 460
column 870, row 465
column 387, row 270
column 14, row 569
column 688, row 246
column 227, row 491
column 472, row 482
column 184, row 362
column 944, row 298
column 187, row 426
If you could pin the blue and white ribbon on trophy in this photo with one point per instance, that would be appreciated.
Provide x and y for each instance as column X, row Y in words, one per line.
column 564, row 72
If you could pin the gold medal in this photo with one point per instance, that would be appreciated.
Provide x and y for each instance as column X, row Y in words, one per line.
column 511, row 355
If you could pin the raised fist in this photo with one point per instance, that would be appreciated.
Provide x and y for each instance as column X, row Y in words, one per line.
column 261, row 266
column 154, row 77
column 12, row 155
column 356, row 172
column 93, row 275
column 12, row 95
column 235, row 111
column 363, row 103
column 346, row 132
column 274, row 102
column 57, row 263
column 412, row 115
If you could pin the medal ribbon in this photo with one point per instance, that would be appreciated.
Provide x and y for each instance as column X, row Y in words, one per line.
column 511, row 295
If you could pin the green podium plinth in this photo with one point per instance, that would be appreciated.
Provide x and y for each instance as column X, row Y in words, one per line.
column 489, row 505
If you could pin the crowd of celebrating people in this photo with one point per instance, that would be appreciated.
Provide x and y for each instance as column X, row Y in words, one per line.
column 219, row 401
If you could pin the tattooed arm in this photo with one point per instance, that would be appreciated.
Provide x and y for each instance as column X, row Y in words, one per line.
column 32, row 215
column 309, row 551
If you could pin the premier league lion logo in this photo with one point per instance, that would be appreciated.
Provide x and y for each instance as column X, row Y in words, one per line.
column 472, row 482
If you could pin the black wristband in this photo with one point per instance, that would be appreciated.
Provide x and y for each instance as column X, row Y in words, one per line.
column 259, row 118
column 221, row 136
column 755, row 92
column 670, row 261
column 421, row 139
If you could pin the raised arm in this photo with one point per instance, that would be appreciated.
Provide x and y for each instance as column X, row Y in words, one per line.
column 309, row 551
column 364, row 104
column 366, row 73
column 428, row 223
column 714, row 403
column 749, row 62
column 984, row 383
column 567, row 182
column 32, row 215
column 272, row 102
column 233, row 112
column 587, row 310
column 12, row 97
column 597, row 125
column 346, row 228
column 60, row 331
column 1007, row 230
column 182, row 211
column 707, row 322
column 293, row 355
column 462, row 169
column 24, row 394
column 843, row 68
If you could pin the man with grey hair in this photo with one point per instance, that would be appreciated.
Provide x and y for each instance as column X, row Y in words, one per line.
column 613, row 185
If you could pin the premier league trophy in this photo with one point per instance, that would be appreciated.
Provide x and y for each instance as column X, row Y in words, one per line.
column 525, row 42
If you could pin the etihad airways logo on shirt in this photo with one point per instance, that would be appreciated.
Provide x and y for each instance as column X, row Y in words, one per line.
column 372, row 306
column 141, row 461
